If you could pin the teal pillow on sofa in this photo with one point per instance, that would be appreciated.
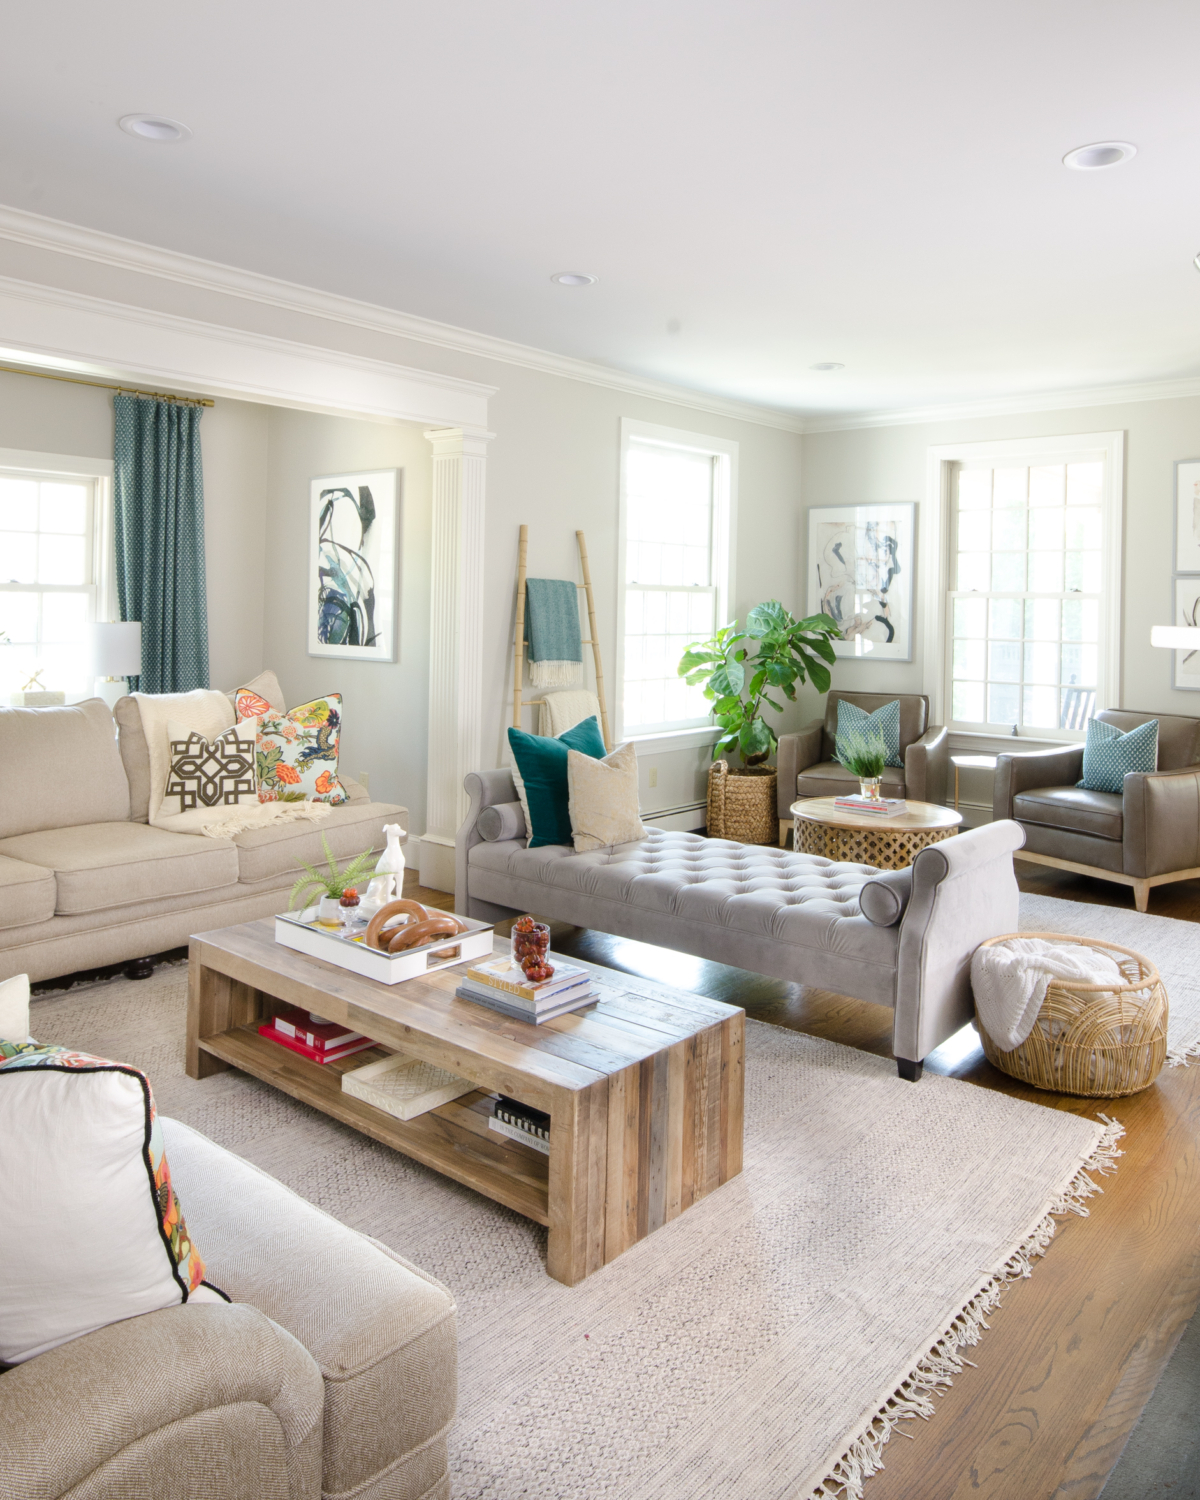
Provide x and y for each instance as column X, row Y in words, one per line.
column 542, row 762
column 1108, row 754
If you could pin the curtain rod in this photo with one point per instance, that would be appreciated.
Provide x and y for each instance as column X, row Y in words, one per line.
column 101, row 385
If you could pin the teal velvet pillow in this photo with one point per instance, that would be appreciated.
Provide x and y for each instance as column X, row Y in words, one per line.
column 1108, row 754
column 542, row 762
column 883, row 724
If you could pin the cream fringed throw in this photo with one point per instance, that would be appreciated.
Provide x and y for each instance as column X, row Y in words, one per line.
column 562, row 711
column 1010, row 980
column 209, row 713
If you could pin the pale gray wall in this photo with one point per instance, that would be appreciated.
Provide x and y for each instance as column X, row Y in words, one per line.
column 889, row 463
column 386, row 704
column 51, row 416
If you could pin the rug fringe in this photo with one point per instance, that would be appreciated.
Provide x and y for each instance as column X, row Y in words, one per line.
column 1177, row 1056
column 937, row 1369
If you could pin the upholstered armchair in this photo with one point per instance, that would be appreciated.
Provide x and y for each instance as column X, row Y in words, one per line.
column 1147, row 835
column 807, row 768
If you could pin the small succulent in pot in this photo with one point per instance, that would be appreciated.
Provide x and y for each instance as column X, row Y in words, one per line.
column 332, row 883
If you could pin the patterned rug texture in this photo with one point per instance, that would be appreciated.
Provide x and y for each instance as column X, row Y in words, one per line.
column 1171, row 945
column 764, row 1345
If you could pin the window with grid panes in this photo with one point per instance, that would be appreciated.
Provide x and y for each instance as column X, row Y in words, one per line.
column 673, row 579
column 47, row 581
column 1026, row 595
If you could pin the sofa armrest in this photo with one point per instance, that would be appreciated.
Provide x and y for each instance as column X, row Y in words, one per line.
column 485, row 789
column 1030, row 770
column 1162, row 822
column 795, row 753
column 194, row 1391
column 927, row 766
column 963, row 891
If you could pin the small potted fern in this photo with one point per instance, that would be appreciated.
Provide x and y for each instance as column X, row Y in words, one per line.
column 333, row 883
column 864, row 756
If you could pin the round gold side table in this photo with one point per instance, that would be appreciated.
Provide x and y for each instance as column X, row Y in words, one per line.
column 888, row 843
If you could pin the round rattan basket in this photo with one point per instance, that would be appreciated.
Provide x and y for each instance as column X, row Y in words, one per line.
column 742, row 803
column 1094, row 1040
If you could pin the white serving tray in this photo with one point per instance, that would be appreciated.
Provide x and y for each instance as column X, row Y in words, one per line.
column 404, row 1086
column 297, row 929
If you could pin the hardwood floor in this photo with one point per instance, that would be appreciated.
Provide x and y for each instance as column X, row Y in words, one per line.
column 1073, row 1354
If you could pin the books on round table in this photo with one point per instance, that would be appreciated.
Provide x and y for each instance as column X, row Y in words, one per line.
column 883, row 807
column 500, row 985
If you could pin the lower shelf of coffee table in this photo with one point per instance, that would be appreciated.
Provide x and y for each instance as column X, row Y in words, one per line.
column 453, row 1139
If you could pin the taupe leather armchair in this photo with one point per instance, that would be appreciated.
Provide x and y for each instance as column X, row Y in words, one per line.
column 1148, row 835
column 806, row 767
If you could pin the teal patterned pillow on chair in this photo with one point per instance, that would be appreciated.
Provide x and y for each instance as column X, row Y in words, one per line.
column 883, row 724
column 1109, row 754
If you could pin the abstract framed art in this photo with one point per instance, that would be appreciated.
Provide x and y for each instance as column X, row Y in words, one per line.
column 1187, row 516
column 1185, row 671
column 353, row 546
column 861, row 562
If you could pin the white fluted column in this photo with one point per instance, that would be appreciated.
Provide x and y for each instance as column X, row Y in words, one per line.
column 455, row 642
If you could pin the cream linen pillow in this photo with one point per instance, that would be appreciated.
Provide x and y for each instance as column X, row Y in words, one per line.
column 603, row 798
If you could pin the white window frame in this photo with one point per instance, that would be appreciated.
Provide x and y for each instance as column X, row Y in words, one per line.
column 724, row 453
column 20, row 463
column 937, row 564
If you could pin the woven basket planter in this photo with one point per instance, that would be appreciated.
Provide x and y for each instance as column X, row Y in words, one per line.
column 742, row 803
column 1098, row 1041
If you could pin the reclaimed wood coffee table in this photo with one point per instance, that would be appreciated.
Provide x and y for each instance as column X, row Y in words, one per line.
column 888, row 843
column 644, row 1090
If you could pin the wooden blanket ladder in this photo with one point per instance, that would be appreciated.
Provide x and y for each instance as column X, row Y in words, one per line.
column 593, row 639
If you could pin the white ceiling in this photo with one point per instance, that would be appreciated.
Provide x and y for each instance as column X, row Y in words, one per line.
column 855, row 180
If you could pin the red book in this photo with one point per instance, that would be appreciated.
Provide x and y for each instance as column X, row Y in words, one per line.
column 320, row 1035
column 330, row 1054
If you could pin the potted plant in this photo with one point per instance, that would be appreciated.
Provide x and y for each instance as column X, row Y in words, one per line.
column 786, row 651
column 864, row 756
column 332, row 882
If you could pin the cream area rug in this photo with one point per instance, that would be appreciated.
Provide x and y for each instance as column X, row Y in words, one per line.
column 1171, row 945
column 760, row 1347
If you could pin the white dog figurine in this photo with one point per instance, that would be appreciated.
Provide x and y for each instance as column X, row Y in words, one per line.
column 388, row 884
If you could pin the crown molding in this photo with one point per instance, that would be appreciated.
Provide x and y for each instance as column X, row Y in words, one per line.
column 1009, row 406
column 53, row 328
column 171, row 265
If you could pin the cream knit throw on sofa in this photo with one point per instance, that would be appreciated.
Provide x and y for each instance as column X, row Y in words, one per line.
column 209, row 713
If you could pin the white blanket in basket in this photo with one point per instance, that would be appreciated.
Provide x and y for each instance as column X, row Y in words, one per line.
column 1010, row 981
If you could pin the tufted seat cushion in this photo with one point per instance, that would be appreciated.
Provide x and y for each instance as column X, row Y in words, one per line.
column 711, row 897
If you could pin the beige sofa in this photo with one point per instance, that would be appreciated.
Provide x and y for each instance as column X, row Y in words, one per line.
column 333, row 1374
column 86, row 881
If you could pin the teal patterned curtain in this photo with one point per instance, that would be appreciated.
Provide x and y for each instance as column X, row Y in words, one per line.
column 158, row 491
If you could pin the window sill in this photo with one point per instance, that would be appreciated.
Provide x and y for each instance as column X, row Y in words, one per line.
column 675, row 739
column 977, row 741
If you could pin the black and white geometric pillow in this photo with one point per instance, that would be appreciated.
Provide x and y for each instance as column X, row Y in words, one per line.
column 211, row 773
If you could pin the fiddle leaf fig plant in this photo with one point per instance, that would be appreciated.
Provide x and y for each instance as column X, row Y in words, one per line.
column 738, row 685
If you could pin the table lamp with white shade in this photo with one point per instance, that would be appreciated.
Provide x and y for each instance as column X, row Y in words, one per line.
column 115, row 653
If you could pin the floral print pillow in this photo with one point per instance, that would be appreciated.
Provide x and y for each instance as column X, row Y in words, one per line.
column 296, row 754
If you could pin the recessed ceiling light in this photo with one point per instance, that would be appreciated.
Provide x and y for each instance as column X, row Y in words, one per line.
column 154, row 128
column 574, row 278
column 1100, row 154
column 828, row 364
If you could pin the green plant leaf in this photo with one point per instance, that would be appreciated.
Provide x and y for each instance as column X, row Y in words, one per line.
column 766, row 617
column 728, row 679
column 754, row 738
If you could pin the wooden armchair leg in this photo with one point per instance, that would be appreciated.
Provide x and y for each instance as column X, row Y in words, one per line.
column 1141, row 894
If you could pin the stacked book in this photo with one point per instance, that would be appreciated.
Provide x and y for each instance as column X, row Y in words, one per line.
column 885, row 807
column 320, row 1041
column 498, row 983
column 519, row 1122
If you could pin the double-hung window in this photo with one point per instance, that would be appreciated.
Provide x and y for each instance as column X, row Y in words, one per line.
column 677, row 494
column 1031, row 599
column 51, row 575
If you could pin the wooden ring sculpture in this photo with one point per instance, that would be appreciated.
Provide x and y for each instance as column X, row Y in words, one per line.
column 422, row 926
column 413, row 910
column 416, row 933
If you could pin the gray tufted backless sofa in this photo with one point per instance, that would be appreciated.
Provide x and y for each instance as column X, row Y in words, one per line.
column 902, row 938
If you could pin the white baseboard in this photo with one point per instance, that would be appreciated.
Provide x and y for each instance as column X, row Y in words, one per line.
column 679, row 819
